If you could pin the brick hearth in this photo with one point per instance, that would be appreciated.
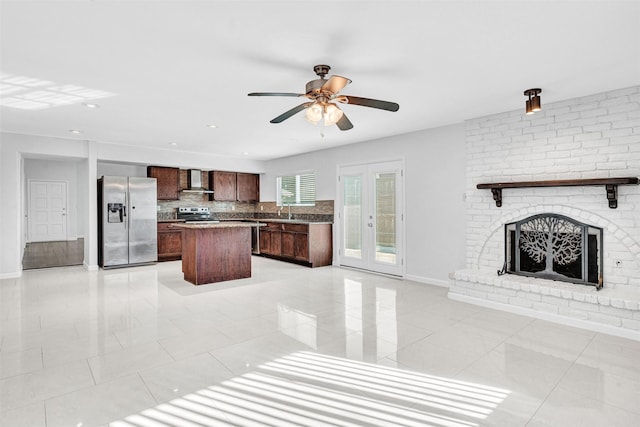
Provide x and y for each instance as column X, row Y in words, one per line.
column 611, row 310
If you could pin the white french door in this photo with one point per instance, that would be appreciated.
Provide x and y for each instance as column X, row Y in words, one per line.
column 47, row 211
column 371, row 217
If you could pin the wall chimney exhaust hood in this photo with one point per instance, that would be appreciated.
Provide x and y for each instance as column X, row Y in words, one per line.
column 194, row 182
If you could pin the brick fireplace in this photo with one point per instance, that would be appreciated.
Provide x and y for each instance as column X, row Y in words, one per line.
column 592, row 137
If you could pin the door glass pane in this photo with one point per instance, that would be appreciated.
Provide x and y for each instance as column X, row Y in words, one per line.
column 353, row 216
column 385, row 184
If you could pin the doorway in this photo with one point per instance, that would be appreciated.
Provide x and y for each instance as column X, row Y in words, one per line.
column 371, row 217
column 48, row 244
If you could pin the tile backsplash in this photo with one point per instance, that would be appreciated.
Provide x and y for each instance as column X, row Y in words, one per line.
column 322, row 211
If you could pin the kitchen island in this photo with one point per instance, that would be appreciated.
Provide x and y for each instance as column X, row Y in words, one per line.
column 216, row 252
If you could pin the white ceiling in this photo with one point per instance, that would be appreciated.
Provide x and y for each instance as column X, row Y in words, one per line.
column 175, row 67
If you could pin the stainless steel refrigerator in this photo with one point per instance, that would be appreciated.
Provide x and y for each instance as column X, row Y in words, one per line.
column 127, row 218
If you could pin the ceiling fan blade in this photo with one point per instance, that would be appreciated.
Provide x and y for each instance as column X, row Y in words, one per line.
column 275, row 94
column 367, row 102
column 284, row 116
column 335, row 84
column 344, row 123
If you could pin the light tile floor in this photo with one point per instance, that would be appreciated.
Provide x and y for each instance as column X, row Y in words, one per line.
column 141, row 347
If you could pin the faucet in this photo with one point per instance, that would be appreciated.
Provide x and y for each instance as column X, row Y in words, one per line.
column 289, row 206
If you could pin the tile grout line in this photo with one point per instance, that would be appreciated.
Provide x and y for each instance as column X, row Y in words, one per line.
column 147, row 387
column 560, row 380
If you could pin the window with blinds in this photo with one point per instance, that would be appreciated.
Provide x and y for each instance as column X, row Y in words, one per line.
column 296, row 190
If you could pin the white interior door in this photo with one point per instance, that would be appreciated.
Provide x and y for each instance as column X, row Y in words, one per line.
column 47, row 211
column 371, row 217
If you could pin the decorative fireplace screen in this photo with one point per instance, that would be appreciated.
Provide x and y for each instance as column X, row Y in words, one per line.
column 554, row 247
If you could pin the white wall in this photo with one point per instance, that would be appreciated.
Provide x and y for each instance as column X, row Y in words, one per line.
column 434, row 187
column 185, row 160
column 596, row 136
column 81, row 197
column 119, row 169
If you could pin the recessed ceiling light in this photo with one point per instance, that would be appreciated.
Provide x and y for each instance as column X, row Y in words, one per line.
column 245, row 153
column 173, row 143
column 89, row 105
column 212, row 126
column 75, row 131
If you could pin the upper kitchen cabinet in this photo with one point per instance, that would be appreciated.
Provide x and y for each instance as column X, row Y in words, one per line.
column 168, row 181
column 223, row 186
column 235, row 186
column 248, row 185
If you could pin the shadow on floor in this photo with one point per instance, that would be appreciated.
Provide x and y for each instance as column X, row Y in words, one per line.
column 53, row 254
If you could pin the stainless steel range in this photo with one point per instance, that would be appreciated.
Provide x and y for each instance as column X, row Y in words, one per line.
column 200, row 215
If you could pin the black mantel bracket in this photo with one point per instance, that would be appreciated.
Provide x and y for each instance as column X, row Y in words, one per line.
column 610, row 185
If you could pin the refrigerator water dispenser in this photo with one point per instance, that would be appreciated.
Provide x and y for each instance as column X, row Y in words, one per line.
column 115, row 212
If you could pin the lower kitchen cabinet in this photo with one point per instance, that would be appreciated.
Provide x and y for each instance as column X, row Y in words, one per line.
column 169, row 242
column 308, row 244
column 270, row 240
column 301, row 247
column 286, row 244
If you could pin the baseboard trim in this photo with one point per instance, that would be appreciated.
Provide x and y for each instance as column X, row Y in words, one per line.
column 90, row 267
column 11, row 275
column 563, row 320
column 428, row 280
column 377, row 273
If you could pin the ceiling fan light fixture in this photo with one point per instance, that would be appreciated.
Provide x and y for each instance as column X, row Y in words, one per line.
column 332, row 114
column 314, row 113
column 320, row 92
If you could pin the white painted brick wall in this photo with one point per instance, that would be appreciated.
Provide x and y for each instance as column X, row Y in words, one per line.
column 596, row 136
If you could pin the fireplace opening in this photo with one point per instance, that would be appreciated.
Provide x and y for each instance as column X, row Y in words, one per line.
column 554, row 247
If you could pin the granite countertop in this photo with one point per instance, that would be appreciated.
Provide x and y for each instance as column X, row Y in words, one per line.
column 255, row 220
column 293, row 221
column 221, row 224
column 283, row 221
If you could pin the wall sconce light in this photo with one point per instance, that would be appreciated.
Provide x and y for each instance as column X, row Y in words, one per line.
column 533, row 103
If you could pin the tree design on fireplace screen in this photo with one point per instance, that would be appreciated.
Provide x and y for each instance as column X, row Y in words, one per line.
column 554, row 247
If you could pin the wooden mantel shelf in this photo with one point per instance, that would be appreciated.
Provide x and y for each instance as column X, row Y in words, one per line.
column 610, row 184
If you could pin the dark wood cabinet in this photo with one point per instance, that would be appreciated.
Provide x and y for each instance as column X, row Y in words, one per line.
column 169, row 242
column 286, row 244
column 271, row 239
column 265, row 241
column 301, row 246
column 234, row 186
column 248, row 187
column 168, row 182
column 307, row 244
column 215, row 254
column 276, row 243
column 223, row 186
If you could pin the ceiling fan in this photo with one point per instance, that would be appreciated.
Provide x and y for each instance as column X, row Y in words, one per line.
column 322, row 93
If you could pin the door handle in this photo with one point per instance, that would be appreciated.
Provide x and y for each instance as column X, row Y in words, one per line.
column 370, row 224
